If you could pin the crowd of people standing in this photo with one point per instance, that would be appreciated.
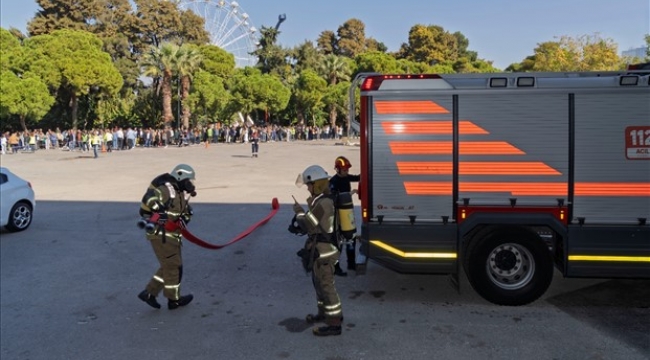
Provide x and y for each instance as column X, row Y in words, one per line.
column 119, row 138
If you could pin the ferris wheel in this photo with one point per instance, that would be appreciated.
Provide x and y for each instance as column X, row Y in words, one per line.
column 229, row 26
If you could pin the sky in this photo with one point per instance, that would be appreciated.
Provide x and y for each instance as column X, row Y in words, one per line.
column 503, row 31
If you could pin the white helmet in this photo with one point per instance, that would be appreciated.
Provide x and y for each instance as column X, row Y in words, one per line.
column 182, row 172
column 311, row 174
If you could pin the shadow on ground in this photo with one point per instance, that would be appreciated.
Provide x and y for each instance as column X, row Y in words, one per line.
column 620, row 308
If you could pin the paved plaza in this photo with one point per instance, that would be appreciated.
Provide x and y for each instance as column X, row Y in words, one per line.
column 69, row 284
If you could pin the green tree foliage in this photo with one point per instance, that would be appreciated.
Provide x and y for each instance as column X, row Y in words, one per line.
column 144, row 38
column 327, row 42
column 208, row 97
column 148, row 107
column 378, row 62
column 374, row 45
column 217, row 61
column 26, row 97
column 63, row 14
column 272, row 58
column 193, row 30
column 430, row 44
column 584, row 53
column 113, row 26
column 240, row 86
column 84, row 67
column 253, row 91
column 336, row 101
column 118, row 108
column 308, row 95
column 647, row 47
column 160, row 64
column 188, row 62
column 11, row 49
column 306, row 56
column 351, row 38
column 272, row 95
column 334, row 69
column 156, row 22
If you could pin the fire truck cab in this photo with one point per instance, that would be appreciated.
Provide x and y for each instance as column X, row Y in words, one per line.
column 506, row 176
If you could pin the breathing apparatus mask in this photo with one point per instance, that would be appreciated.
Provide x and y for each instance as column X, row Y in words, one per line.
column 187, row 185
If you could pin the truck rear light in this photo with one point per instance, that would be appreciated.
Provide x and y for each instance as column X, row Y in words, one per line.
column 371, row 83
column 628, row 80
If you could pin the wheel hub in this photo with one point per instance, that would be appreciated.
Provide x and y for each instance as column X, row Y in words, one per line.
column 510, row 266
column 21, row 217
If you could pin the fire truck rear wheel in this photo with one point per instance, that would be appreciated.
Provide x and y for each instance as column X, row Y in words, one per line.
column 510, row 266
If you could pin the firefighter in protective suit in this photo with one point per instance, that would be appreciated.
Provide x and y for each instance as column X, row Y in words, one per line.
column 320, row 252
column 164, row 206
column 340, row 183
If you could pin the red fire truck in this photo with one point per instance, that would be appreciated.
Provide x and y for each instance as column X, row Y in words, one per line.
column 506, row 176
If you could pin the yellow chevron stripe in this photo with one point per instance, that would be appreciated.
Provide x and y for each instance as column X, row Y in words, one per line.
column 430, row 255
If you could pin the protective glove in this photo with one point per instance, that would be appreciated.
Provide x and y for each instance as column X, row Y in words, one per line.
column 186, row 218
column 298, row 209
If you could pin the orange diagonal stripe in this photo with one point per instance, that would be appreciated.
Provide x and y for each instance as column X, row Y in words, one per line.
column 431, row 128
column 409, row 107
column 530, row 189
column 476, row 168
column 612, row 189
column 445, row 147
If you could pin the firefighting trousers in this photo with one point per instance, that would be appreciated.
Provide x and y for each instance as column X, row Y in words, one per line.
column 169, row 274
column 328, row 301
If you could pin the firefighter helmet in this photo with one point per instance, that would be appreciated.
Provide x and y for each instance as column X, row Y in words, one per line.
column 311, row 174
column 182, row 172
column 342, row 162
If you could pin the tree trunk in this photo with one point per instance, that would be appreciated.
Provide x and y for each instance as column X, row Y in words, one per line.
column 74, row 104
column 333, row 114
column 185, row 92
column 168, row 116
column 22, row 123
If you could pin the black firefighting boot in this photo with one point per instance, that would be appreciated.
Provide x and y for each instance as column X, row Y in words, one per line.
column 327, row 330
column 149, row 299
column 351, row 254
column 338, row 271
column 182, row 301
column 314, row 318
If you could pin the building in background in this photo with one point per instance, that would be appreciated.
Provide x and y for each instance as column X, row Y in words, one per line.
column 640, row 52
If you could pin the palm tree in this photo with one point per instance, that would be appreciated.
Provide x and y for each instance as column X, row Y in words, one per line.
column 334, row 69
column 188, row 61
column 160, row 64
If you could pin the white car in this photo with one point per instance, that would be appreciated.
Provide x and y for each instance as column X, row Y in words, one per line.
column 16, row 201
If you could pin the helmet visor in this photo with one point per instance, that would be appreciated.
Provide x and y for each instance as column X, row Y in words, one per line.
column 299, row 182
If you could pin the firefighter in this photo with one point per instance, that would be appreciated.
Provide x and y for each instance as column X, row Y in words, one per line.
column 321, row 251
column 164, row 210
column 340, row 183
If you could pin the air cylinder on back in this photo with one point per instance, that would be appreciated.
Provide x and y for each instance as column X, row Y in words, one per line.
column 345, row 208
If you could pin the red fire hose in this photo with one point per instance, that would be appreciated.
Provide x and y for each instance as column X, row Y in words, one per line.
column 275, row 206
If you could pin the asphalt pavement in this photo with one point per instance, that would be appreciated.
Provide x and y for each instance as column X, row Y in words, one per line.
column 69, row 284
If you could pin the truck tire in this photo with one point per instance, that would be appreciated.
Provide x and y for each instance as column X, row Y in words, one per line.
column 509, row 266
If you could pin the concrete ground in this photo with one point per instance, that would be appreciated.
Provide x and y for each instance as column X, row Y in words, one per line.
column 68, row 284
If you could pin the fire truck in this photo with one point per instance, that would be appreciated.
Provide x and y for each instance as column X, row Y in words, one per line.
column 506, row 177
